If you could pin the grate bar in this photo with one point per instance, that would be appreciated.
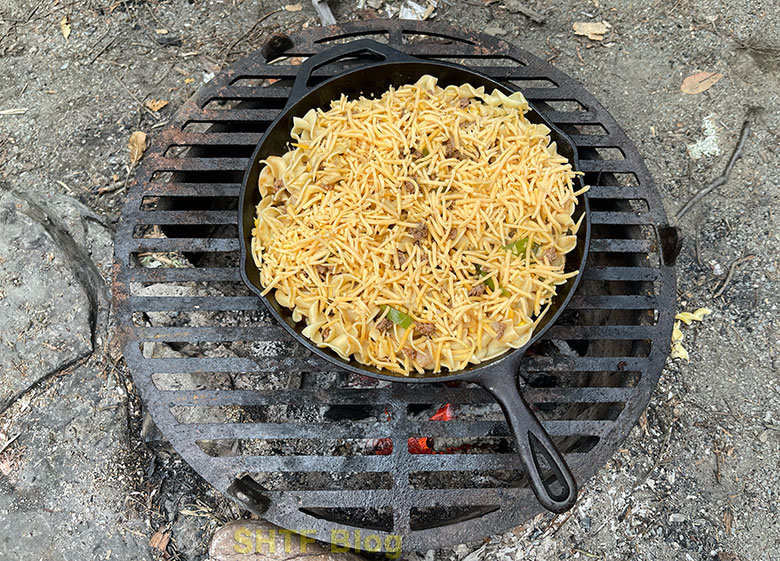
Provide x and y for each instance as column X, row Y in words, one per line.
column 417, row 462
column 607, row 166
column 623, row 218
column 595, row 332
column 235, row 364
column 173, row 189
column 617, row 192
column 206, row 274
column 170, row 139
column 254, row 116
column 606, row 245
column 593, row 140
column 197, row 217
column 572, row 118
column 200, row 164
column 185, row 244
column 289, row 72
column 372, row 430
column 267, row 93
column 414, row 497
column 384, row 396
column 583, row 364
column 613, row 302
column 621, row 273
column 239, row 303
column 273, row 332
column 199, row 303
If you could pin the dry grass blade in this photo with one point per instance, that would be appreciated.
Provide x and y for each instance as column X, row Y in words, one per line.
column 14, row 111
column 10, row 441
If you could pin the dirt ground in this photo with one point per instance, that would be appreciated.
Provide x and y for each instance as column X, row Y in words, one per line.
column 699, row 480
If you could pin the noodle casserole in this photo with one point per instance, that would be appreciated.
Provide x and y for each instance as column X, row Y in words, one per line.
column 422, row 230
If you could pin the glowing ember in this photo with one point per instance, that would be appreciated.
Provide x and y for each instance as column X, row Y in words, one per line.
column 443, row 414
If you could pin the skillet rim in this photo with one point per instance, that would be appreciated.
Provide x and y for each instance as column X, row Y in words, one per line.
column 473, row 371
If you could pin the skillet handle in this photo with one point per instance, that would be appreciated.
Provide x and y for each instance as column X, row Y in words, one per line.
column 333, row 54
column 531, row 439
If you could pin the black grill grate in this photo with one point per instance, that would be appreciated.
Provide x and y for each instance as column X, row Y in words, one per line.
column 311, row 449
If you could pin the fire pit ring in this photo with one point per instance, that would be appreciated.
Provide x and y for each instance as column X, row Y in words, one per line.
column 330, row 470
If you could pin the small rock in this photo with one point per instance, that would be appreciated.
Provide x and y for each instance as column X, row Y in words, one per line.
column 495, row 31
column 52, row 291
column 238, row 541
column 73, row 458
column 764, row 436
column 676, row 517
column 168, row 40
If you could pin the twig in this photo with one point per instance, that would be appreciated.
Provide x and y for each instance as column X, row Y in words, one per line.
column 586, row 553
column 151, row 12
column 697, row 247
column 533, row 15
column 5, row 446
column 138, row 101
column 103, row 50
column 226, row 52
column 732, row 270
column 724, row 177
column 15, row 23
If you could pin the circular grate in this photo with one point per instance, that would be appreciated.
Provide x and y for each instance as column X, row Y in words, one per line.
column 312, row 449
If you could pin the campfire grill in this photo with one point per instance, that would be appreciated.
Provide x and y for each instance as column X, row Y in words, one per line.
column 312, row 449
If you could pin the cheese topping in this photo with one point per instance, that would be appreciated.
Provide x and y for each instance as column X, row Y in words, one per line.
column 424, row 229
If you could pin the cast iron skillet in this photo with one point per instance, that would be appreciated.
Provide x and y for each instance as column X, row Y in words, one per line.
column 554, row 484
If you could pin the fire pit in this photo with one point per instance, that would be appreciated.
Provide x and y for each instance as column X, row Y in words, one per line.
column 322, row 451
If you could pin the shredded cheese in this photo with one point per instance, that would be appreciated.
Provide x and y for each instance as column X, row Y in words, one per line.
column 394, row 202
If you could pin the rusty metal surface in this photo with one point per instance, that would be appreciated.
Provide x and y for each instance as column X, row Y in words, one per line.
column 601, row 361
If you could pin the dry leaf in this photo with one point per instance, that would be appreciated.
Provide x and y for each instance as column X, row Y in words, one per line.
column 65, row 26
column 155, row 104
column 161, row 31
column 593, row 30
column 728, row 520
column 189, row 80
column 160, row 540
column 700, row 82
column 137, row 145
column 294, row 7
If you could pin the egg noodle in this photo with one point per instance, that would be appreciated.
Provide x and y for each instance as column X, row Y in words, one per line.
column 424, row 229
